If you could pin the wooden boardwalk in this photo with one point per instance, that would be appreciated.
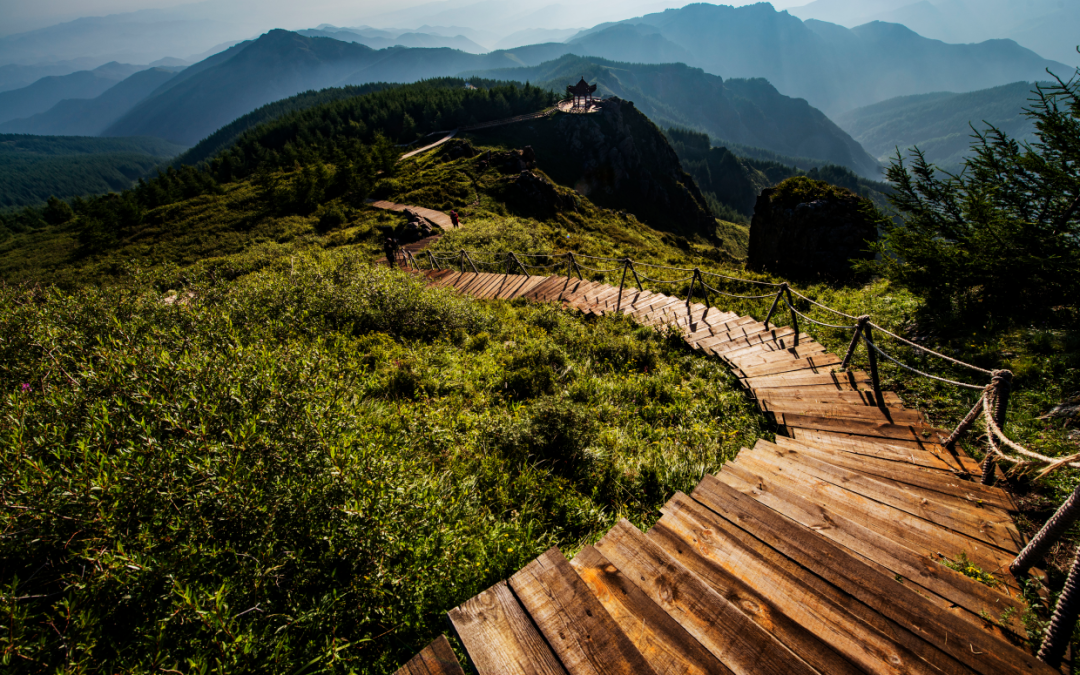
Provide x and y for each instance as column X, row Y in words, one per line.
column 817, row 553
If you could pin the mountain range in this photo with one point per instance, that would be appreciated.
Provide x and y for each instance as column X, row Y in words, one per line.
column 1049, row 27
column 742, row 111
column 48, row 91
column 90, row 116
column 941, row 123
column 834, row 68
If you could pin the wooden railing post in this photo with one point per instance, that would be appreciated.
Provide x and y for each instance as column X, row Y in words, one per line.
column 573, row 261
column 622, row 283
column 794, row 314
column 775, row 302
column 868, row 337
column 1002, row 384
column 431, row 259
column 471, row 263
column 690, row 293
column 519, row 263
column 854, row 341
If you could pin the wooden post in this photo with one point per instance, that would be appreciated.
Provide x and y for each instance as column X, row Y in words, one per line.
column 775, row 302
column 622, row 282
column 471, row 263
column 794, row 316
column 576, row 268
column 869, row 338
column 854, row 341
column 690, row 293
column 1002, row 381
column 431, row 259
column 523, row 268
column 633, row 271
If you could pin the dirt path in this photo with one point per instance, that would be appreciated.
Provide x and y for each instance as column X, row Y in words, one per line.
column 428, row 147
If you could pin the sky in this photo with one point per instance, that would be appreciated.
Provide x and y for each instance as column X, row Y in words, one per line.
column 22, row 15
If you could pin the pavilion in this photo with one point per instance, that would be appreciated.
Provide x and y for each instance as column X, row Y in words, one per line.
column 582, row 92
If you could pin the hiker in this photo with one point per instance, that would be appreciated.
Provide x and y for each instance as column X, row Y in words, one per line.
column 454, row 218
column 390, row 248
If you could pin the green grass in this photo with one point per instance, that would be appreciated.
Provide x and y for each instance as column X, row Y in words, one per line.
column 314, row 461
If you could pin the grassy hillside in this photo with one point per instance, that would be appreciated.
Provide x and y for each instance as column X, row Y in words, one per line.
column 748, row 112
column 33, row 168
column 940, row 124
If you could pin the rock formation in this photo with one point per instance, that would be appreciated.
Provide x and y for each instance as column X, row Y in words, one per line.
column 804, row 228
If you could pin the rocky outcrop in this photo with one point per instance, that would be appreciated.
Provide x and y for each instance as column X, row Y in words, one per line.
column 624, row 161
column 542, row 194
column 804, row 228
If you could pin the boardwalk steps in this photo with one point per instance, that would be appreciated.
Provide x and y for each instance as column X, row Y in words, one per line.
column 817, row 553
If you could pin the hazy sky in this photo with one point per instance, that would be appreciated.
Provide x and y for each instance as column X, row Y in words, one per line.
column 22, row 15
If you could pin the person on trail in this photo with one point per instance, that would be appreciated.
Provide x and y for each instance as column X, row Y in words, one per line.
column 454, row 218
column 390, row 248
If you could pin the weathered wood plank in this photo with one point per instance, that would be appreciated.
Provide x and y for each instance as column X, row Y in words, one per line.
column 828, row 395
column 994, row 529
column 925, row 537
column 948, row 633
column 929, row 481
column 578, row 628
column 762, row 354
column 720, row 626
column 499, row 636
column 842, row 381
column 818, row 363
column 878, row 550
column 841, row 410
column 666, row 645
column 436, row 659
column 718, row 548
column 927, row 455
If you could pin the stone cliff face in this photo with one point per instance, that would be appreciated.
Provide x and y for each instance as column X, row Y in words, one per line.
column 624, row 161
column 619, row 160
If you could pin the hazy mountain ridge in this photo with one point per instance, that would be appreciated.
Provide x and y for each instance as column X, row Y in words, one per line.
column 747, row 112
column 832, row 67
column 940, row 123
column 48, row 91
column 90, row 117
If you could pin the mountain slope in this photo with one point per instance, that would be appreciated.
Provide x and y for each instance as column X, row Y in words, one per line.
column 745, row 112
column 89, row 117
column 48, row 91
column 832, row 67
column 939, row 123
column 276, row 66
column 411, row 39
column 33, row 168
column 279, row 64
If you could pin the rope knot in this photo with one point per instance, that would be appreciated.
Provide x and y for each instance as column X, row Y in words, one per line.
column 863, row 320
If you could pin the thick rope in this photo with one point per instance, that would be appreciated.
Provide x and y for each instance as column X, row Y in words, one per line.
column 732, row 295
column 931, row 351
column 1060, row 631
column 928, row 375
column 1061, row 521
column 819, row 323
column 829, row 309
column 997, row 435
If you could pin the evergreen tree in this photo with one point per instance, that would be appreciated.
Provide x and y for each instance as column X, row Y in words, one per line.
column 1002, row 237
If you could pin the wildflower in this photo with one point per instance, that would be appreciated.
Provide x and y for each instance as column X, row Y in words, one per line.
column 26, row 388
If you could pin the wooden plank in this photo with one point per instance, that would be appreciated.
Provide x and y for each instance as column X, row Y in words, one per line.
column 469, row 283
column 925, row 537
column 923, row 454
column 549, row 291
column 444, row 278
column 578, row 628
column 630, row 298
column 913, row 433
column 770, row 353
column 718, row 548
column 950, row 634
column 994, row 529
column 719, row 625
column 666, row 645
column 511, row 290
column 782, row 337
column 828, row 395
column 818, row 363
column 573, row 288
column 841, row 381
column 492, row 288
column 528, row 286
column 714, row 329
column 650, row 305
column 947, row 585
column 915, row 476
column 436, row 659
column 841, row 410
column 499, row 636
